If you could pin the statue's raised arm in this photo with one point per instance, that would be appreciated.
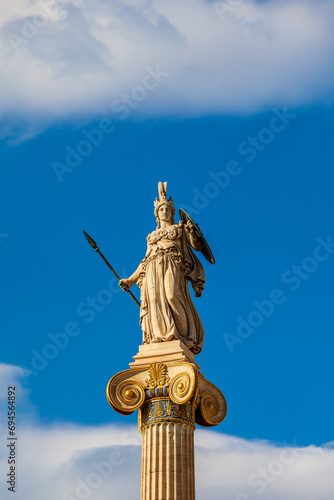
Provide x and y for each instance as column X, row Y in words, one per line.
column 167, row 311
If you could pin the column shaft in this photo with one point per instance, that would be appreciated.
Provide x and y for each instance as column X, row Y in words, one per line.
column 168, row 462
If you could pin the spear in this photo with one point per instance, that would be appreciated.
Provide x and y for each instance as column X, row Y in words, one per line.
column 96, row 248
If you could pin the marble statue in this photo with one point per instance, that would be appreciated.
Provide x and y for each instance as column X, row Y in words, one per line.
column 167, row 311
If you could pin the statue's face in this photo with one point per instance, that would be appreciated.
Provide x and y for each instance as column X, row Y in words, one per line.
column 165, row 213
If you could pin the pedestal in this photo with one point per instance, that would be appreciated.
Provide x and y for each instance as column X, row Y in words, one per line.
column 171, row 396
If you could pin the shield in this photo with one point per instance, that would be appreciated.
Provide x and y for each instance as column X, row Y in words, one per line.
column 206, row 251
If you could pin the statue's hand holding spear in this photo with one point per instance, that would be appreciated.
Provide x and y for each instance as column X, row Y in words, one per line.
column 125, row 284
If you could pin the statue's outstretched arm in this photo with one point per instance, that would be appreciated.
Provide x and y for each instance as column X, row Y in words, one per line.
column 127, row 283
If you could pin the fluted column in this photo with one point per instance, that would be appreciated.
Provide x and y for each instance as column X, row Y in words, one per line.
column 168, row 450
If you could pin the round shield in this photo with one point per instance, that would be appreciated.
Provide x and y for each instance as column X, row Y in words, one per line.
column 206, row 251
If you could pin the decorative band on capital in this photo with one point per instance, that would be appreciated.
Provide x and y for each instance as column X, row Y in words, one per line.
column 164, row 410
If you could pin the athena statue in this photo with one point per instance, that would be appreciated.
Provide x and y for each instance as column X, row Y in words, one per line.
column 167, row 311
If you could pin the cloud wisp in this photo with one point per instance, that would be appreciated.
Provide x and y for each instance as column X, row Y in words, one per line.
column 63, row 461
column 69, row 59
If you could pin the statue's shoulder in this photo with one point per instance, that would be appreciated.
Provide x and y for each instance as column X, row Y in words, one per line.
column 155, row 235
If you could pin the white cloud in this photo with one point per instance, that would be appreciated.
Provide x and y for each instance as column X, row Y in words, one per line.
column 62, row 461
column 64, row 59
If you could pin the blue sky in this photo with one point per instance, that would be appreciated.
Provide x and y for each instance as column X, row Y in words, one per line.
column 247, row 152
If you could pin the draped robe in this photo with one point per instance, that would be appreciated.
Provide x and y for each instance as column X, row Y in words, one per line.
column 167, row 310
